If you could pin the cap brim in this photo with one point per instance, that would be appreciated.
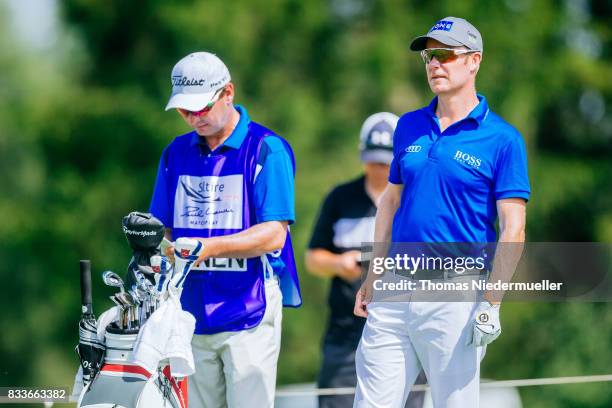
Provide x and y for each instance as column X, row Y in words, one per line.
column 191, row 102
column 377, row 156
column 420, row 43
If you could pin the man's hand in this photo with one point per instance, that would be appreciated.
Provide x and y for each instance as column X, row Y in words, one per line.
column 362, row 299
column 204, row 253
column 168, row 249
column 486, row 326
column 348, row 267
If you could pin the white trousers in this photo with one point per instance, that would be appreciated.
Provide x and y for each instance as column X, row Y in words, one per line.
column 401, row 337
column 238, row 369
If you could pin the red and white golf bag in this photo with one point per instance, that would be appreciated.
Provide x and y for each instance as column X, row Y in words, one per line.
column 121, row 383
column 147, row 367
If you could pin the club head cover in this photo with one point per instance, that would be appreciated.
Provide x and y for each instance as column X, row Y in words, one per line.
column 144, row 234
column 161, row 267
column 186, row 251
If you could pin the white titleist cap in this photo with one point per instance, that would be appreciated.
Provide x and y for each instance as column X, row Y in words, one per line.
column 195, row 80
column 376, row 138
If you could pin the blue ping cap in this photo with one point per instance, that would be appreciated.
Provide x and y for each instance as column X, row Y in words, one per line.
column 376, row 138
column 451, row 31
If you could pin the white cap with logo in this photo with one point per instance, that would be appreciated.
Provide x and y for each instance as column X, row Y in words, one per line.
column 376, row 138
column 195, row 80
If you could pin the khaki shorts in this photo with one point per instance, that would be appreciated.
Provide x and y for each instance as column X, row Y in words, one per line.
column 238, row 369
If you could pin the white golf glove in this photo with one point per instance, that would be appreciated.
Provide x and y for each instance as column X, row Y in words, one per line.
column 486, row 326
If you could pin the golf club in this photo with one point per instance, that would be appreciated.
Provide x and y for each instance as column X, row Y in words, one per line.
column 110, row 278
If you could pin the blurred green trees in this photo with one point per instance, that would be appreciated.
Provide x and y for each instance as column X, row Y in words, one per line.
column 82, row 127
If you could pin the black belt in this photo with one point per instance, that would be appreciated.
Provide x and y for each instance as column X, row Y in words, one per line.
column 440, row 274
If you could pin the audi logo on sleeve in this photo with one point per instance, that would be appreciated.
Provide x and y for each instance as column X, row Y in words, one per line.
column 413, row 149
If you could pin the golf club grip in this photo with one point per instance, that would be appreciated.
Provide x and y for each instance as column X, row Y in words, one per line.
column 85, row 266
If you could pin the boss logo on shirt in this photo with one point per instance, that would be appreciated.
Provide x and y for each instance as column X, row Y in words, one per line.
column 413, row 149
column 468, row 159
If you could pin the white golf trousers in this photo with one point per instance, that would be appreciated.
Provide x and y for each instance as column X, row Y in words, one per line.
column 238, row 369
column 401, row 337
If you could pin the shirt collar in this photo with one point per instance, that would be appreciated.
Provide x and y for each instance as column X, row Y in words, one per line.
column 238, row 134
column 479, row 113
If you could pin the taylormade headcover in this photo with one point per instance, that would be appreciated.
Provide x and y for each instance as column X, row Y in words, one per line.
column 144, row 233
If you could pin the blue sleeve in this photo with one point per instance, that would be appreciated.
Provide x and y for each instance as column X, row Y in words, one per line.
column 511, row 177
column 161, row 203
column 395, row 172
column 274, row 190
column 395, row 175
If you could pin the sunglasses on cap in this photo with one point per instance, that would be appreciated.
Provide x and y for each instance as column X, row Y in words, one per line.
column 443, row 54
column 208, row 106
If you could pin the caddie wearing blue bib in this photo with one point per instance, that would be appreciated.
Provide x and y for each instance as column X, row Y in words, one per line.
column 229, row 183
column 457, row 168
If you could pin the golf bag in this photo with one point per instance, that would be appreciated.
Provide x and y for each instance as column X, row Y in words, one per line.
column 122, row 384
column 121, row 379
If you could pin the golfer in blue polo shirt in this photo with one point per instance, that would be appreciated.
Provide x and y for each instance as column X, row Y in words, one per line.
column 457, row 168
column 229, row 183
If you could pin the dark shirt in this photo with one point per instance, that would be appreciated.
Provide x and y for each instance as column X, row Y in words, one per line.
column 346, row 220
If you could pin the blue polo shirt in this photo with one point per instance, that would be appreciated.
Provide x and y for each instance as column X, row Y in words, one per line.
column 200, row 192
column 452, row 179
column 273, row 191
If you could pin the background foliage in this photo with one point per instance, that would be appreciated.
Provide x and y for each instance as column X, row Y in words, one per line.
column 82, row 127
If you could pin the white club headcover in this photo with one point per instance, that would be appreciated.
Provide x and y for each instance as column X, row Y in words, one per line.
column 162, row 269
column 186, row 251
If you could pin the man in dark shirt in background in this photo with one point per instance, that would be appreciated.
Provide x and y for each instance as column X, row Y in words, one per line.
column 345, row 222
